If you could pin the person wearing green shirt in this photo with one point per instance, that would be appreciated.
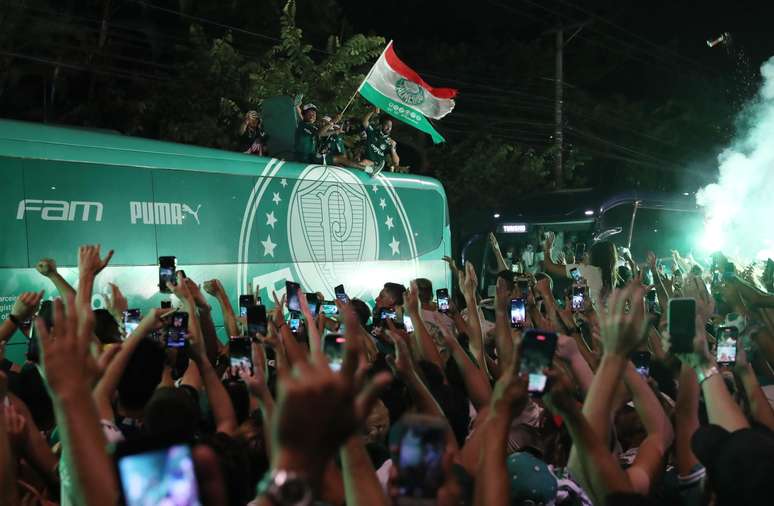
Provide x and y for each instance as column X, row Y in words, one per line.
column 306, row 134
column 379, row 145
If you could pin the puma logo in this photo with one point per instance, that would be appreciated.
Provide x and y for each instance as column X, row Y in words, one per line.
column 195, row 214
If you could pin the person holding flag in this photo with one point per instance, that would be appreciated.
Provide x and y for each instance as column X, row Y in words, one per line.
column 394, row 87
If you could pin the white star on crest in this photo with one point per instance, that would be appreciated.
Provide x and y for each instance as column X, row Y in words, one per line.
column 395, row 245
column 389, row 223
column 277, row 199
column 268, row 246
column 382, row 203
column 270, row 219
column 284, row 182
column 375, row 188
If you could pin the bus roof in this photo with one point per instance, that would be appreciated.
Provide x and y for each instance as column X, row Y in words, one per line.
column 19, row 139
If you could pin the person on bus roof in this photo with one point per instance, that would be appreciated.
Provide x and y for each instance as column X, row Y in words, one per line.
column 253, row 137
column 379, row 144
column 306, row 134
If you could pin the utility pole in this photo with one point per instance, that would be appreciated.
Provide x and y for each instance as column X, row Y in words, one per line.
column 559, row 97
column 559, row 94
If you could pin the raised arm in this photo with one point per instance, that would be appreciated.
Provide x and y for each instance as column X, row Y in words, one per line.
column 424, row 342
column 259, row 389
column 209, row 334
column 759, row 404
column 222, row 409
column 403, row 367
column 107, row 384
column 598, row 466
column 569, row 352
column 367, row 117
column 315, row 339
column 503, row 335
column 650, row 457
column 508, row 400
column 553, row 268
column 686, row 419
column 621, row 332
column 721, row 408
column 394, row 153
column 498, row 254
column 89, row 265
column 215, row 288
column 661, row 290
column 468, row 286
column 8, row 494
column 361, row 486
column 476, row 381
column 66, row 363
column 25, row 306
column 47, row 268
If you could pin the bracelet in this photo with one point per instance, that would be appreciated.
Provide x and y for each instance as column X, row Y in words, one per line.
column 14, row 320
column 705, row 373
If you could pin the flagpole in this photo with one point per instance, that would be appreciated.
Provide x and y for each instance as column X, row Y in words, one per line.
column 352, row 98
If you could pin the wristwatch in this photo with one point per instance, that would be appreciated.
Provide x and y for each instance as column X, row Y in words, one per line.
column 285, row 488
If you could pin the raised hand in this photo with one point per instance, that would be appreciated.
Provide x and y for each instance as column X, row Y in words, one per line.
column 502, row 296
column 452, row 265
column 89, row 260
column 213, row 287
column 560, row 397
column 196, row 293
column 401, row 362
column 305, row 443
column 548, row 243
column 182, row 290
column 510, row 392
column 566, row 348
column 411, row 299
column 468, row 281
column 115, row 302
column 705, row 303
column 624, row 326
column 279, row 309
column 46, row 266
column 26, row 305
column 64, row 350
column 15, row 426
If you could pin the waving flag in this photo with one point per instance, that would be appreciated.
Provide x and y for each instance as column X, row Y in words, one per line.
column 393, row 87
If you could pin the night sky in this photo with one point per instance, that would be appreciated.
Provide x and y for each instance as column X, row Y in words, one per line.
column 660, row 35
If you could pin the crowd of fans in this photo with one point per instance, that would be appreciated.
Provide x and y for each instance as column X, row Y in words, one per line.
column 354, row 143
column 413, row 401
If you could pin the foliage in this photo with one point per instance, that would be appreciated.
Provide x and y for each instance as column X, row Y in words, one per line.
column 483, row 172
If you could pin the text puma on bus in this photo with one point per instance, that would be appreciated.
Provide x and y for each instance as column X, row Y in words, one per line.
column 161, row 213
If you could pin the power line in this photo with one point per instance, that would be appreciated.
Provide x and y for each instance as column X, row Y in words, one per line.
column 90, row 68
column 639, row 37
column 661, row 58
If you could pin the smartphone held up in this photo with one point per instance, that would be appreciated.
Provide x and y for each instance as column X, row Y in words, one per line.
column 537, row 354
column 167, row 266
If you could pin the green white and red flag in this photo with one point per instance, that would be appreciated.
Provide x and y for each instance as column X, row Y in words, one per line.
column 394, row 87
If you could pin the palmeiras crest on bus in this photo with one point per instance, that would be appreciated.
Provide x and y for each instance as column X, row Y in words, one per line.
column 323, row 227
column 331, row 225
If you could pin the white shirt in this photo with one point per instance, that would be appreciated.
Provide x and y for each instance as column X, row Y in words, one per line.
column 440, row 320
column 593, row 277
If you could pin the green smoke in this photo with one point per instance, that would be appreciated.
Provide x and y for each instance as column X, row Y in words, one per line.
column 739, row 208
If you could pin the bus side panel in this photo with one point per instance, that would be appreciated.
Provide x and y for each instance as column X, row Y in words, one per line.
column 71, row 204
column 13, row 246
column 211, row 208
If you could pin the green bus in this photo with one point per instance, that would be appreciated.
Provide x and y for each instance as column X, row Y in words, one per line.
column 246, row 220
